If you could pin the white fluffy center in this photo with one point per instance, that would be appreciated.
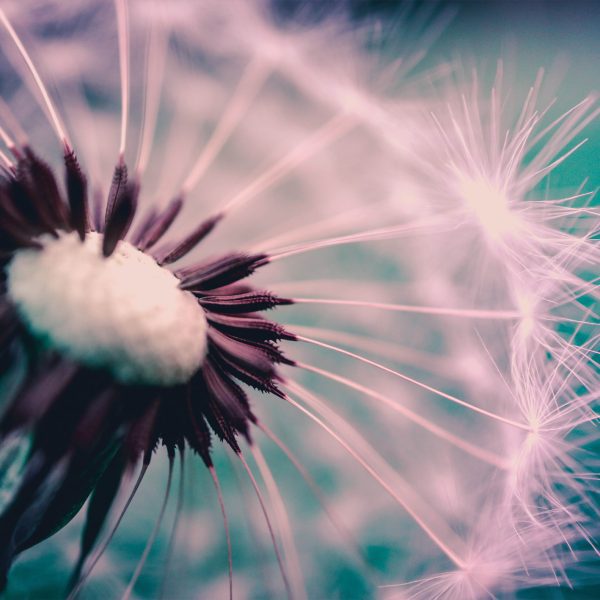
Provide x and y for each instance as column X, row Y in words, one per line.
column 123, row 313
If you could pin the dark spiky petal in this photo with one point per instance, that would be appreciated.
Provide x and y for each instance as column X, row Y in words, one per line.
column 75, row 435
column 20, row 518
column 274, row 353
column 141, row 438
column 243, row 302
column 9, row 323
column 117, row 187
column 30, row 209
column 172, row 420
column 92, row 425
column 53, row 491
column 100, row 503
column 213, row 413
column 38, row 394
column 44, row 189
column 120, row 218
column 230, row 397
column 161, row 224
column 190, row 242
column 11, row 239
column 12, row 222
column 252, row 327
column 10, row 328
column 77, row 195
column 67, row 411
column 198, row 433
column 81, row 477
column 262, row 381
column 244, row 351
column 220, row 272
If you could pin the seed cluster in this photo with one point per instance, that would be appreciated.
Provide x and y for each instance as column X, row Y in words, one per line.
column 121, row 351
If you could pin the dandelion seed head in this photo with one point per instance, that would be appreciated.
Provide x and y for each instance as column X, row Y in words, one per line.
column 528, row 306
column 491, row 208
column 124, row 313
column 422, row 343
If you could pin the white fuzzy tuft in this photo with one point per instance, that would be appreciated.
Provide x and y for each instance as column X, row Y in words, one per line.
column 123, row 313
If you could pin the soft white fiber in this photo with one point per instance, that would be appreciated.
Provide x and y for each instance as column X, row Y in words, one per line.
column 124, row 313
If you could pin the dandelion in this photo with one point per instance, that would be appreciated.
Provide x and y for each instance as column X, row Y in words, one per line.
column 220, row 160
column 519, row 241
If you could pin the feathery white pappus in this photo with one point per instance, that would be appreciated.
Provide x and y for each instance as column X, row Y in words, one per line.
column 124, row 313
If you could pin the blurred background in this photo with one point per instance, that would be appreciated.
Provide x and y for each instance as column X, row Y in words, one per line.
column 560, row 36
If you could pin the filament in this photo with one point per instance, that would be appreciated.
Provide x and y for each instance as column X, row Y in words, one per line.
column 47, row 102
column 440, row 432
column 253, row 78
column 289, row 546
column 422, row 360
column 470, row 313
column 373, row 473
column 173, row 536
column 123, row 37
column 152, row 537
column 110, row 536
column 420, row 384
column 9, row 164
column 215, row 479
column 13, row 124
column 341, row 529
column 326, row 226
column 325, row 135
column 269, row 526
column 8, row 141
column 155, row 69
column 427, row 225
